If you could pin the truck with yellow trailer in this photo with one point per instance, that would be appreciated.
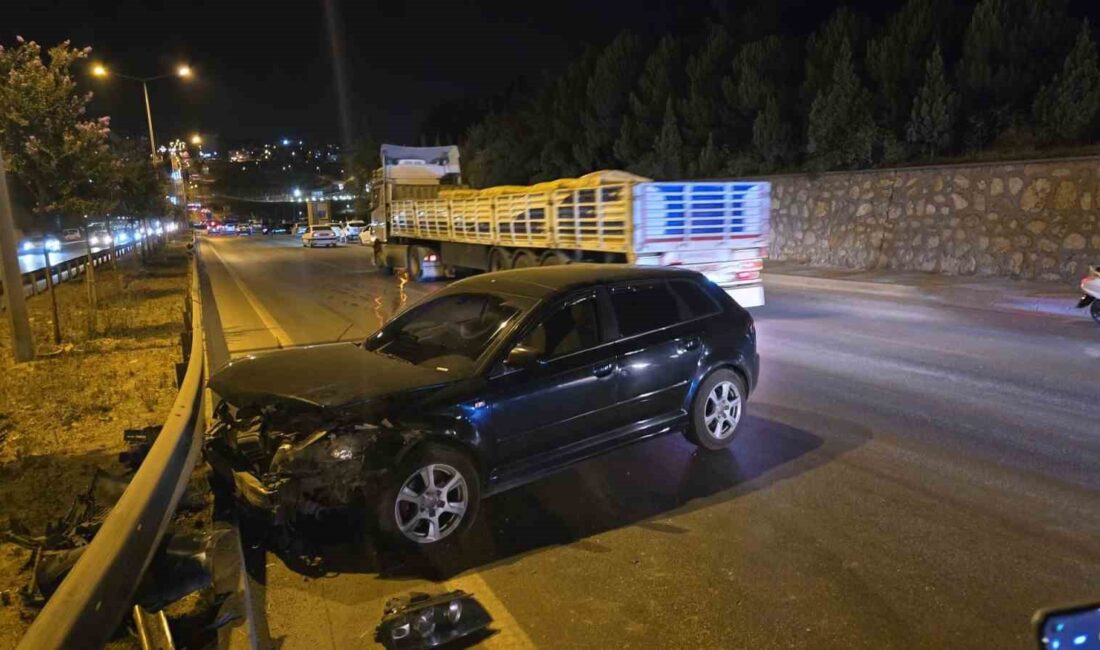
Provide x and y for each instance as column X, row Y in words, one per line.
column 427, row 223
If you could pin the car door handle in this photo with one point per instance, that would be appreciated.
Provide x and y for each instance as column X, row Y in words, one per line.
column 603, row 369
column 690, row 343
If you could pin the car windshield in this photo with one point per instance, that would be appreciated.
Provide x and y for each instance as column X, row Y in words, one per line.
column 322, row 229
column 450, row 332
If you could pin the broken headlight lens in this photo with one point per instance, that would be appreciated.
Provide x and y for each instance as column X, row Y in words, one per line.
column 341, row 452
column 422, row 621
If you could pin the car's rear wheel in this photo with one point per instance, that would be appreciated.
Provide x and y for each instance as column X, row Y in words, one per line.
column 717, row 410
column 433, row 498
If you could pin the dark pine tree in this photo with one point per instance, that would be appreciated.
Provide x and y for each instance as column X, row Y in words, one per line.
column 841, row 130
column 702, row 110
column 932, row 117
column 1066, row 108
column 607, row 92
column 660, row 80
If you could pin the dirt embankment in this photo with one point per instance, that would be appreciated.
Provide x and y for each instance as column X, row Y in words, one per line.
column 62, row 416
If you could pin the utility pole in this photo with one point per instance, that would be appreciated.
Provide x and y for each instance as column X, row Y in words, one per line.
column 22, row 339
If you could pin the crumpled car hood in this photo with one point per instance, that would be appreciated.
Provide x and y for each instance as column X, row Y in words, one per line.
column 329, row 375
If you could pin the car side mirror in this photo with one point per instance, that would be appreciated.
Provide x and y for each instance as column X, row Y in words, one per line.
column 1067, row 627
column 521, row 356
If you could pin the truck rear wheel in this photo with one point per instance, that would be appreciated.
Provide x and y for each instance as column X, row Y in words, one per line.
column 380, row 260
column 524, row 259
column 415, row 265
column 498, row 261
column 553, row 258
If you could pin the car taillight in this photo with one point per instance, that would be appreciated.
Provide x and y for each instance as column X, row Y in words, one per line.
column 748, row 275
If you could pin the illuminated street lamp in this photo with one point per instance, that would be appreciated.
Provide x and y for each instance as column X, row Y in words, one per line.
column 196, row 139
column 183, row 72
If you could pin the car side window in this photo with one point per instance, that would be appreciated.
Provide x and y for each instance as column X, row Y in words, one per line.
column 695, row 300
column 572, row 328
column 644, row 308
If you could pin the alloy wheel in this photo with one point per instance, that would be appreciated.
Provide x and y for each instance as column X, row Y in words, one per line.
column 431, row 503
column 722, row 411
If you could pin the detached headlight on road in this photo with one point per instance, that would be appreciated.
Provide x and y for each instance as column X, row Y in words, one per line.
column 422, row 621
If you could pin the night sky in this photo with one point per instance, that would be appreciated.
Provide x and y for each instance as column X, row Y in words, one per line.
column 264, row 69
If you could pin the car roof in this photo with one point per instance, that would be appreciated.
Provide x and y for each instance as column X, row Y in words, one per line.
column 538, row 282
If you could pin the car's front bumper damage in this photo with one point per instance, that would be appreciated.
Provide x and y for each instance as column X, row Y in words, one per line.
column 295, row 467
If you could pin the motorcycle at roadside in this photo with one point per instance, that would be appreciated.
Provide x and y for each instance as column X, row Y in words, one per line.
column 1090, row 287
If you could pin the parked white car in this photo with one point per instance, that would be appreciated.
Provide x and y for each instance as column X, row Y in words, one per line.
column 353, row 230
column 72, row 234
column 320, row 236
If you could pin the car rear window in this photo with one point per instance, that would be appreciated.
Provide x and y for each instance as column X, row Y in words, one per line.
column 694, row 298
column 644, row 308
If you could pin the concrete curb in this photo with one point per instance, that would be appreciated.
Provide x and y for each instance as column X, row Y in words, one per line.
column 792, row 281
column 956, row 296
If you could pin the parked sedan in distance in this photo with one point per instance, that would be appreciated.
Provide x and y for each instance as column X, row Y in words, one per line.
column 72, row 234
column 492, row 382
column 320, row 236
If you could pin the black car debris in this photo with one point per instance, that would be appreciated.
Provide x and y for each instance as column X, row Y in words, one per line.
column 492, row 382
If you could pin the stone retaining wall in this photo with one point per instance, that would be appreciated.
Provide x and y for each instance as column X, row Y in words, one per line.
column 1035, row 220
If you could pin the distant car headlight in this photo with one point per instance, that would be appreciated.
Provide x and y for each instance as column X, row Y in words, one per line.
column 53, row 245
column 93, row 240
column 27, row 246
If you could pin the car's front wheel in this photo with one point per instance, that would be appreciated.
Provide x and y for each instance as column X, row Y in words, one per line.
column 717, row 410
column 432, row 499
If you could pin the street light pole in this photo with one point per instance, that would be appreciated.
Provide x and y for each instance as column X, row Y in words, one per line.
column 22, row 339
column 183, row 72
column 149, row 118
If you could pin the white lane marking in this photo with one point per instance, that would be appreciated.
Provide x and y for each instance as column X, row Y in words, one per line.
column 281, row 337
column 509, row 633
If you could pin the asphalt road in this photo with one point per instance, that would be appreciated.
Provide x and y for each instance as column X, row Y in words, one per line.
column 909, row 476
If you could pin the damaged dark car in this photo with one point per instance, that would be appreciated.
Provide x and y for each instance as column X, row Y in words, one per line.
column 492, row 382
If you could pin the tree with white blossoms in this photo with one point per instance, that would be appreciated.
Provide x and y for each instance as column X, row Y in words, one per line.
column 56, row 155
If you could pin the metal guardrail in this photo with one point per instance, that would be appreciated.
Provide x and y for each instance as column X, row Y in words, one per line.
column 34, row 282
column 91, row 601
